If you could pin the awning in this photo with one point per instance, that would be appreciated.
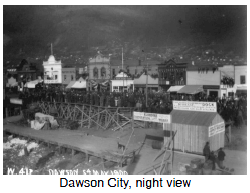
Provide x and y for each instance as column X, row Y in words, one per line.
column 174, row 88
column 70, row 84
column 191, row 89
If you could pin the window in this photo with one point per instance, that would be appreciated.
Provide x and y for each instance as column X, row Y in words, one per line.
column 103, row 72
column 72, row 77
column 65, row 77
column 95, row 72
column 242, row 80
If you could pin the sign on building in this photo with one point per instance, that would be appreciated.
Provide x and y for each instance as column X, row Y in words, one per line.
column 152, row 117
column 195, row 106
column 51, row 81
column 215, row 129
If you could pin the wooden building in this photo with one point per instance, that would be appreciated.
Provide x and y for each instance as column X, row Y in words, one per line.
column 171, row 73
column 195, row 128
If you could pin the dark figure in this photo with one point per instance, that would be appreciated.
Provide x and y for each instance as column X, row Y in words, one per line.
column 213, row 159
column 221, row 156
column 206, row 151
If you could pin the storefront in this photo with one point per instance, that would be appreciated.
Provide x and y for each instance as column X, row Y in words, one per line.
column 52, row 71
column 121, row 83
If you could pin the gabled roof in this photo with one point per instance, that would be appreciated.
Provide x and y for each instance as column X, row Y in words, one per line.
column 193, row 117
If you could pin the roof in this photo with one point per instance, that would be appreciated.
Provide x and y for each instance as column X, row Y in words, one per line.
column 142, row 80
column 193, row 117
column 70, row 84
column 122, row 75
column 191, row 89
column 174, row 88
column 81, row 83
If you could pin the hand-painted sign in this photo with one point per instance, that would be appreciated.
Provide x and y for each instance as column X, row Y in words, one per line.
column 152, row 117
column 51, row 81
column 215, row 129
column 195, row 106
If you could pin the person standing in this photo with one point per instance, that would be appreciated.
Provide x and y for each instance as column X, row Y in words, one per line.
column 206, row 151
column 221, row 157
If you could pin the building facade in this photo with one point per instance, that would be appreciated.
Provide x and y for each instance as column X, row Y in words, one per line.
column 171, row 73
column 98, row 69
column 68, row 75
column 134, row 67
column 205, row 76
column 52, row 71
column 241, row 79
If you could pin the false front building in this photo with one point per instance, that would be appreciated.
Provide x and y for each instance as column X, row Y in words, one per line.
column 52, row 71
column 99, row 71
column 171, row 73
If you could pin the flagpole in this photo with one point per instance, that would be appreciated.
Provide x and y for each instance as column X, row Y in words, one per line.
column 51, row 49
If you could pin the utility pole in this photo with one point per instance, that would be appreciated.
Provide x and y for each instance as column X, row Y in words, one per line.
column 122, row 72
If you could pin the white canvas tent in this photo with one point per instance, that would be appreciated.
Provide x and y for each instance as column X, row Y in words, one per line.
column 70, row 84
column 32, row 84
column 81, row 83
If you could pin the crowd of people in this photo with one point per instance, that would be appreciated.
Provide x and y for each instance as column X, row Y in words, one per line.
column 233, row 109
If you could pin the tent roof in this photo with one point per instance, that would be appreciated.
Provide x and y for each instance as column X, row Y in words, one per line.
column 122, row 75
column 175, row 88
column 79, row 84
column 191, row 89
column 70, row 84
column 193, row 117
column 143, row 80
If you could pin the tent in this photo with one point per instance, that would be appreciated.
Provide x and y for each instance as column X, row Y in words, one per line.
column 142, row 80
column 32, row 84
column 70, row 84
column 191, row 89
column 81, row 83
column 174, row 88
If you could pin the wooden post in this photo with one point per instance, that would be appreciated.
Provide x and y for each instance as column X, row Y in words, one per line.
column 82, row 115
column 6, row 112
column 73, row 152
column 172, row 144
column 87, row 156
column 89, row 116
column 98, row 117
column 230, row 134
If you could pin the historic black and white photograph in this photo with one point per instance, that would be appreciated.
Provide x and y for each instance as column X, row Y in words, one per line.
column 124, row 90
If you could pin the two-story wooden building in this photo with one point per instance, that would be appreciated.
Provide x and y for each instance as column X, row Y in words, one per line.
column 171, row 73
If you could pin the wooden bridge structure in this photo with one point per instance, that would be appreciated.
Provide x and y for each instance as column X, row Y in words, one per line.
column 91, row 115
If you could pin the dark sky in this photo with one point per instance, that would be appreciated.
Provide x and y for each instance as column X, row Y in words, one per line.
column 151, row 25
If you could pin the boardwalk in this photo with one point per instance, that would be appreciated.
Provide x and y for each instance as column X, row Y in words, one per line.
column 76, row 140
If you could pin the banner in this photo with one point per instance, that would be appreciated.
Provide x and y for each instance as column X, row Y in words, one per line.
column 195, row 106
column 215, row 129
column 152, row 117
